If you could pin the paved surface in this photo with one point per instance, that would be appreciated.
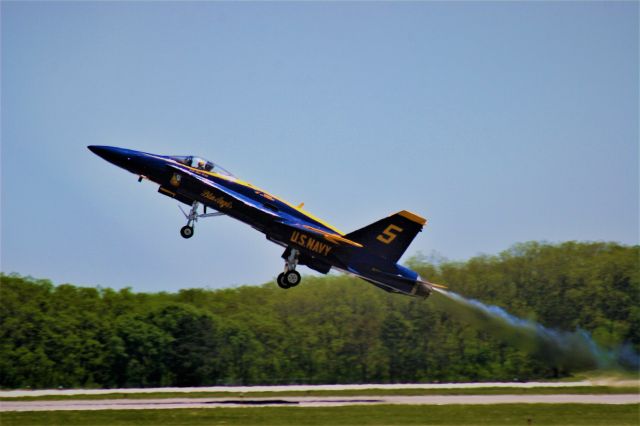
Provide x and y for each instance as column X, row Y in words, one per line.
column 305, row 388
column 147, row 404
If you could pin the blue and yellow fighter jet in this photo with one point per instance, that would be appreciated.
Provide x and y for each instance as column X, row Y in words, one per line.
column 370, row 253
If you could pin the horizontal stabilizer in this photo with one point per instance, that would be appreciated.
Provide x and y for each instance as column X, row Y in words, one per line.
column 392, row 282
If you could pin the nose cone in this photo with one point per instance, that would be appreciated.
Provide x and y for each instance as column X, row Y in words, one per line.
column 97, row 149
column 121, row 157
column 109, row 153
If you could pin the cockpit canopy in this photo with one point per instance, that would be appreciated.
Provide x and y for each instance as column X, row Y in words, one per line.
column 200, row 163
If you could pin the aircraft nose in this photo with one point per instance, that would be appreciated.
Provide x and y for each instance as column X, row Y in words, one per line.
column 105, row 152
column 121, row 157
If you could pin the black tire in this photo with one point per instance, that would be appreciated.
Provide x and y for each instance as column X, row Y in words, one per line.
column 186, row 231
column 280, row 281
column 292, row 278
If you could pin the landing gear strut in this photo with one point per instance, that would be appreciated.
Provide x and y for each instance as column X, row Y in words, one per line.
column 192, row 217
column 187, row 230
column 290, row 277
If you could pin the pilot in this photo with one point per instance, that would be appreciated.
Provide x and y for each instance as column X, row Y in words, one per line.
column 201, row 165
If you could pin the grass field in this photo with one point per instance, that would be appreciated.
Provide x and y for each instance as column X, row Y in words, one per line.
column 388, row 415
column 577, row 390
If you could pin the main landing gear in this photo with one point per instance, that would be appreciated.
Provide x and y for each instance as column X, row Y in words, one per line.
column 290, row 277
column 192, row 217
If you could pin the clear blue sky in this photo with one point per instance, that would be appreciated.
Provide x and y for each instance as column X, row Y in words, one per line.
column 500, row 122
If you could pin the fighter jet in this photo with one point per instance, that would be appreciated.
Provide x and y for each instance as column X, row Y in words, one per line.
column 370, row 253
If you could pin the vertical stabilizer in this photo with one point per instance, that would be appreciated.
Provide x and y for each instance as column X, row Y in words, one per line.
column 389, row 237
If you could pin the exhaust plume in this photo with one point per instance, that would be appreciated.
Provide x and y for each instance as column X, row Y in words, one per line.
column 575, row 349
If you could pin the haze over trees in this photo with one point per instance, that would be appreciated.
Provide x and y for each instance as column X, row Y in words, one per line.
column 333, row 329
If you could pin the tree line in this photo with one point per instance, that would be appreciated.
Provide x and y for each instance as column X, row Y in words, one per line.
column 332, row 329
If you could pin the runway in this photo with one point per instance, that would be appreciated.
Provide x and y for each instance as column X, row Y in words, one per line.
column 173, row 403
column 306, row 388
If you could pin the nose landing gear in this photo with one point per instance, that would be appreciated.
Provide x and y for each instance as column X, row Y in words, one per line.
column 290, row 277
column 186, row 231
column 192, row 217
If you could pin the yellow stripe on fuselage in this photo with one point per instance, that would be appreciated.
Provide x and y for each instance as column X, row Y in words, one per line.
column 255, row 188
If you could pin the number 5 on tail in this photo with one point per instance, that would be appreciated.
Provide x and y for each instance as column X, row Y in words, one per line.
column 389, row 234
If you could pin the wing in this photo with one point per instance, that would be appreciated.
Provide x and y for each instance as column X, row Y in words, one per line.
column 330, row 236
column 228, row 192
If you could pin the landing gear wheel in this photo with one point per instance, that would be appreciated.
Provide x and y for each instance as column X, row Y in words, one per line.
column 292, row 278
column 281, row 282
column 186, row 231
